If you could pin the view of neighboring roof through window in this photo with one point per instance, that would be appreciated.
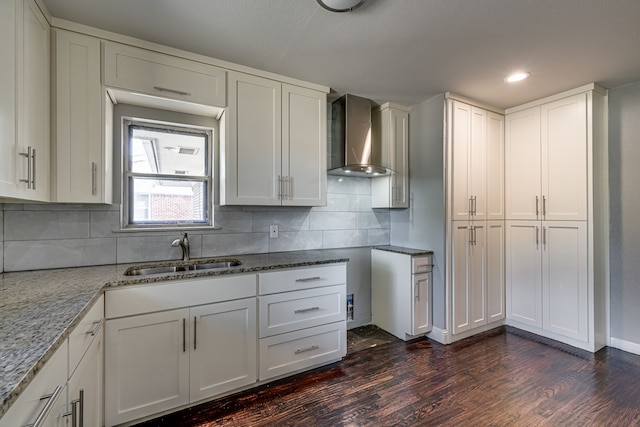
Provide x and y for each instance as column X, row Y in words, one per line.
column 167, row 175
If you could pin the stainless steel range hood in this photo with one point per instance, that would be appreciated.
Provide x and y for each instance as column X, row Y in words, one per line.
column 353, row 150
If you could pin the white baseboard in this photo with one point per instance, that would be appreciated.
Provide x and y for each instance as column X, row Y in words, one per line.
column 439, row 335
column 628, row 346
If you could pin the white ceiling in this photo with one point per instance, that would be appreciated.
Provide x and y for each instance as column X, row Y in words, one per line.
column 403, row 51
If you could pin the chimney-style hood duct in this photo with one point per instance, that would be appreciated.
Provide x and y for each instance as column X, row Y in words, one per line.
column 353, row 151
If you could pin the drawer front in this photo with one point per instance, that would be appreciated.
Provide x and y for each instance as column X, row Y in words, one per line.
column 422, row 264
column 50, row 381
column 166, row 76
column 133, row 300
column 302, row 278
column 289, row 311
column 83, row 334
column 286, row 353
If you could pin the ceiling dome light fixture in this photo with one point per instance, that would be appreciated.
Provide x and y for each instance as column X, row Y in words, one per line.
column 340, row 5
column 516, row 77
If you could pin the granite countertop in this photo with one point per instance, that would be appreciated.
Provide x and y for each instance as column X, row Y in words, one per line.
column 38, row 309
column 402, row 250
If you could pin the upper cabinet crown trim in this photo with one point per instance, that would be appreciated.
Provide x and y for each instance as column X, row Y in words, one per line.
column 132, row 41
column 586, row 88
column 472, row 102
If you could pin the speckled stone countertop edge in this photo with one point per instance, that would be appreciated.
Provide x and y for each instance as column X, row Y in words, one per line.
column 265, row 262
column 403, row 250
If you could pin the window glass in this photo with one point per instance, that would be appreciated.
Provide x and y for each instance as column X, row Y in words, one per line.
column 168, row 175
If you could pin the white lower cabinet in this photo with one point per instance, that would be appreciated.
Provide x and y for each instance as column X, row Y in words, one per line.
column 547, row 276
column 86, row 387
column 401, row 293
column 146, row 365
column 303, row 328
column 477, row 266
column 159, row 361
column 223, row 351
column 44, row 398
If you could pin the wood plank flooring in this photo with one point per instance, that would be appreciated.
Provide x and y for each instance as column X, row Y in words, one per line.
column 500, row 378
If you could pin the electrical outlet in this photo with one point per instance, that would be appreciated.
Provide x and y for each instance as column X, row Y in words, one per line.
column 273, row 231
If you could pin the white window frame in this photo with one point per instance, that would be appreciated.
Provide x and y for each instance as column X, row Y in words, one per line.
column 127, row 174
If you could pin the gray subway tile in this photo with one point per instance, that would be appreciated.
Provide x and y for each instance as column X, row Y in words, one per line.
column 378, row 237
column 42, row 225
column 296, row 241
column 41, row 254
column 332, row 221
column 344, row 239
column 234, row 244
column 373, row 219
column 137, row 248
column 286, row 221
column 233, row 221
column 103, row 223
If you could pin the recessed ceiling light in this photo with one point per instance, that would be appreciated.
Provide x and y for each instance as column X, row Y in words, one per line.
column 516, row 77
column 340, row 5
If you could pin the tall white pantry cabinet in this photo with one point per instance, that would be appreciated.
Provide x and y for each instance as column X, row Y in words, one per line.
column 556, row 199
column 475, row 221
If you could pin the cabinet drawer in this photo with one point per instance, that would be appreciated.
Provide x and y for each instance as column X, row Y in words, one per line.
column 289, row 311
column 282, row 354
column 133, row 300
column 166, row 76
column 50, row 381
column 302, row 278
column 422, row 264
column 84, row 333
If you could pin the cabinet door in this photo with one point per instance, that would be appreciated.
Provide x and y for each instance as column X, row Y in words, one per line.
column 495, row 166
column 460, row 159
column 400, row 159
column 477, row 275
column 167, row 76
column 252, row 148
column 564, row 159
column 304, row 146
column 477, row 165
column 86, row 385
column 223, row 348
column 146, row 365
column 495, row 270
column 523, row 273
column 33, row 109
column 523, row 164
column 422, row 295
column 460, row 277
column 78, row 144
column 8, row 146
column 565, row 278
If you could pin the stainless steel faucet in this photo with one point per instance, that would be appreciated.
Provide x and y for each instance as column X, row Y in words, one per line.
column 184, row 244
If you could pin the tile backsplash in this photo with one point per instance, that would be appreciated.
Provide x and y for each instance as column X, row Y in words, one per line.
column 39, row 236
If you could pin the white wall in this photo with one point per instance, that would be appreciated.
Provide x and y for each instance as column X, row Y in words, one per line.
column 624, row 208
column 422, row 225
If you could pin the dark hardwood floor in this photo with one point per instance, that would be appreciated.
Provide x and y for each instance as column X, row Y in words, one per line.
column 501, row 378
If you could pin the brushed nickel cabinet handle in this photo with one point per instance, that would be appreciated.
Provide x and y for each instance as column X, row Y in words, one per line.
column 195, row 331
column 184, row 335
column 544, row 237
column 304, row 350
column 537, row 238
column 544, row 206
column 537, row 210
column 306, row 310
column 28, row 155
column 177, row 92
column 94, row 176
column 470, row 205
column 96, row 328
column 33, row 169
column 47, row 408
column 308, row 279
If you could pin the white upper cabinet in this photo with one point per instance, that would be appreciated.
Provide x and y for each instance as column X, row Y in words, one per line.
column 391, row 125
column 24, row 102
column 477, row 151
column 304, row 146
column 564, row 158
column 546, row 163
column 166, row 76
column 81, row 143
column 273, row 144
column 251, row 148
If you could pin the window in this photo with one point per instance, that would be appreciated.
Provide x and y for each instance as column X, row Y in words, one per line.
column 167, row 175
